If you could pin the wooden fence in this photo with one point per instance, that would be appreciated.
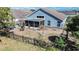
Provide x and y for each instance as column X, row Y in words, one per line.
column 33, row 41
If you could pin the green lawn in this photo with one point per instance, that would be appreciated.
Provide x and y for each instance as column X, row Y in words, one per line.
column 8, row 44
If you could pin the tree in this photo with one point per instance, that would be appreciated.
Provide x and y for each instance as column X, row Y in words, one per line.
column 5, row 15
column 72, row 25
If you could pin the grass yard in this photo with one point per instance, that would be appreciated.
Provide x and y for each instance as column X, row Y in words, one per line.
column 12, row 45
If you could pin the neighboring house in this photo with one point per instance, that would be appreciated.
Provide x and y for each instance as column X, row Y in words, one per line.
column 19, row 15
column 45, row 17
column 70, row 13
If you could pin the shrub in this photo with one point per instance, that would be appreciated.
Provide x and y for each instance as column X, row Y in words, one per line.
column 76, row 34
column 60, row 43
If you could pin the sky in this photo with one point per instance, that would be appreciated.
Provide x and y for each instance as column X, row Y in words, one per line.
column 57, row 8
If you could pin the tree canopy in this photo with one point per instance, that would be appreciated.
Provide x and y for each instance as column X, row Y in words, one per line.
column 72, row 23
column 5, row 15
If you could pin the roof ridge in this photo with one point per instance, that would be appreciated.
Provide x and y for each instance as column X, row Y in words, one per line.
column 53, row 12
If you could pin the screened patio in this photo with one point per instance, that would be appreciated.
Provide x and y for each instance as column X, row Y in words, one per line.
column 34, row 22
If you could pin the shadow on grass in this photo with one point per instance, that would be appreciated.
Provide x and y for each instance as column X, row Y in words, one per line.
column 52, row 38
column 3, row 33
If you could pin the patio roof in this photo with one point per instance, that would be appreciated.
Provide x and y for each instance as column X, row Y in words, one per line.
column 37, row 20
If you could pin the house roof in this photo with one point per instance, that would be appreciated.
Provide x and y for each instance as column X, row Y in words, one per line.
column 53, row 13
column 70, row 12
column 20, row 13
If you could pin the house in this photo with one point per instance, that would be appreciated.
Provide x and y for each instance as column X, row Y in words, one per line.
column 45, row 17
column 19, row 15
column 70, row 13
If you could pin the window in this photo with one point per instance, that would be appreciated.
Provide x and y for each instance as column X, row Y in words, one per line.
column 36, row 24
column 48, row 23
column 40, row 16
column 58, row 23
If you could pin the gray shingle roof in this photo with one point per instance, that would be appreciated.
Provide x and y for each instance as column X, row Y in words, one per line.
column 20, row 13
column 70, row 12
column 53, row 12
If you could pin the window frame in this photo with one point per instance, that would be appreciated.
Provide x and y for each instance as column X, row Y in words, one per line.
column 49, row 23
column 58, row 23
column 40, row 16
